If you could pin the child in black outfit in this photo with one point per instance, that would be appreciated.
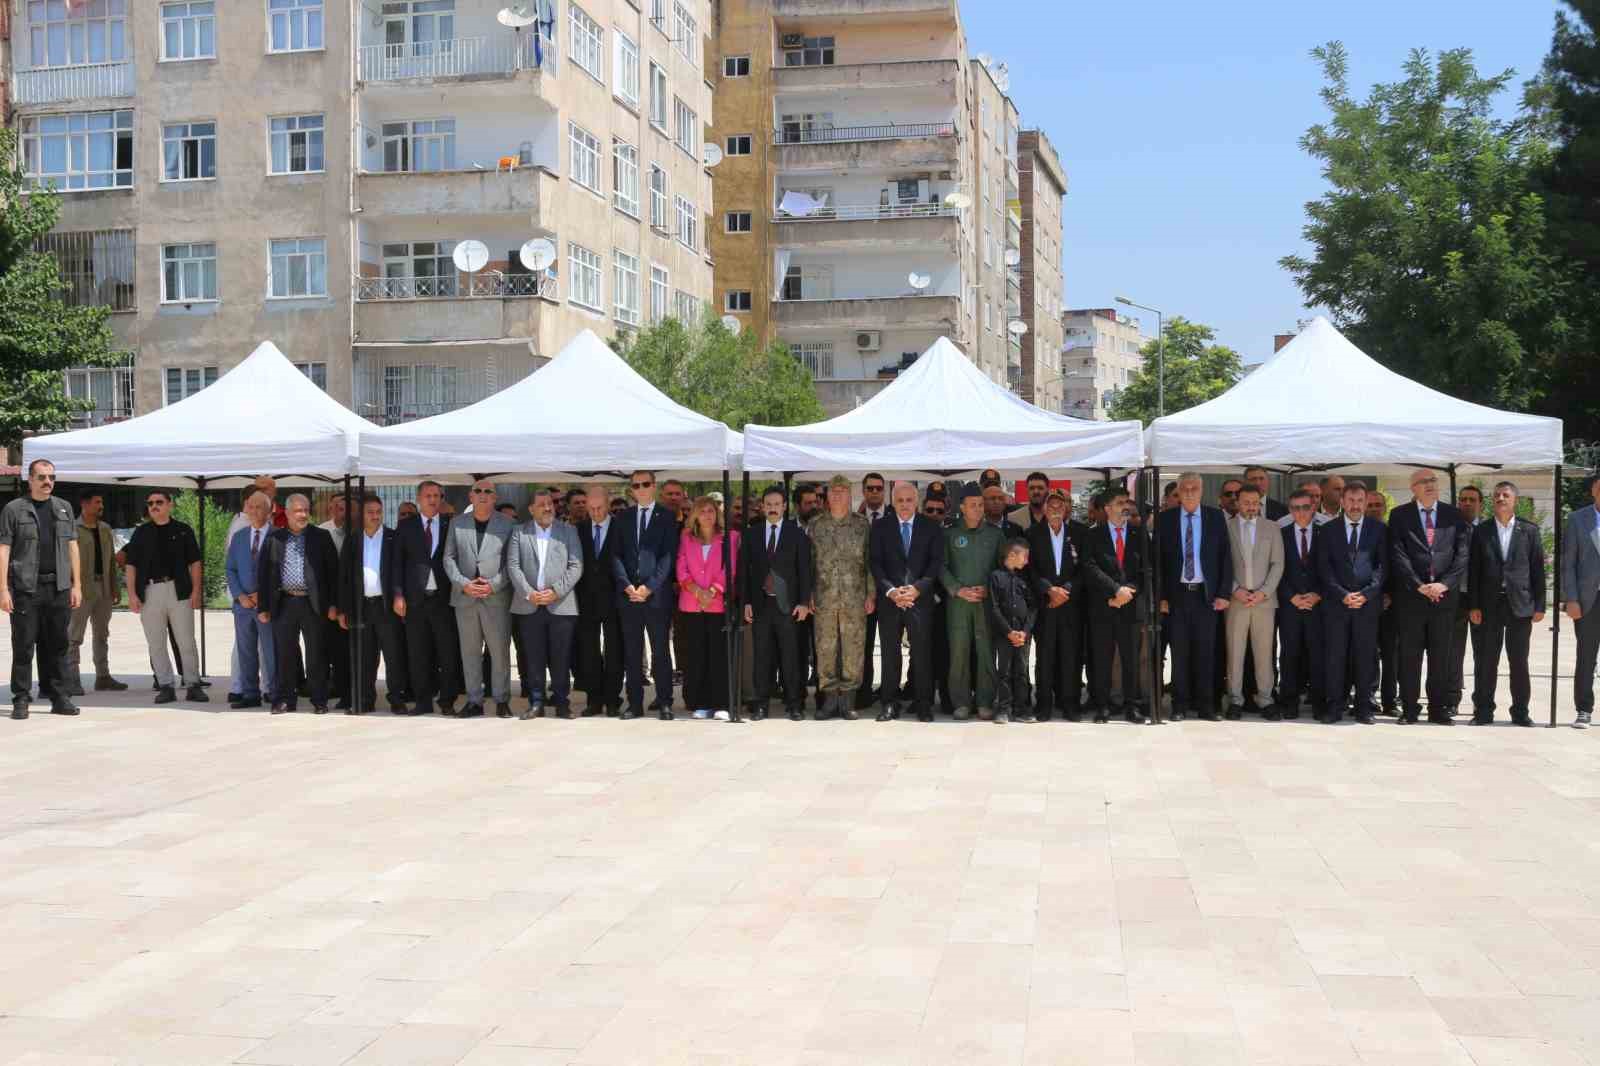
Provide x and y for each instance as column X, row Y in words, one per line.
column 1012, row 605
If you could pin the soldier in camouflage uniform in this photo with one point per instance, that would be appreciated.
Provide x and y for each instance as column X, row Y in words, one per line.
column 971, row 551
column 843, row 598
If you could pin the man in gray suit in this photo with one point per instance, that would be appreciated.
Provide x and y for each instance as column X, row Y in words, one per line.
column 1251, row 620
column 480, row 591
column 1580, row 583
column 545, row 561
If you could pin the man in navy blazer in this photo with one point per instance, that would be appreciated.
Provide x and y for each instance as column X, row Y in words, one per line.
column 1352, row 561
column 1056, row 544
column 906, row 554
column 647, row 546
column 1196, row 581
column 1300, row 637
column 255, row 655
column 1430, row 545
column 368, row 563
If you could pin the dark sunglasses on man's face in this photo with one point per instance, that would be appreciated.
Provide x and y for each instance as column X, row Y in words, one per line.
column 1299, row 507
column 642, row 484
column 155, row 503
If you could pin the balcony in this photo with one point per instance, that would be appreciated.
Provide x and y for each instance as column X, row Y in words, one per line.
column 865, row 10
column 938, row 313
column 87, row 83
column 868, row 77
column 871, row 224
column 890, row 131
column 479, row 307
column 521, row 192
column 488, row 58
column 887, row 146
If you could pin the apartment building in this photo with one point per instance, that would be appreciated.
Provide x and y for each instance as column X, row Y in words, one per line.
column 1101, row 352
column 869, row 167
column 1043, row 187
column 304, row 171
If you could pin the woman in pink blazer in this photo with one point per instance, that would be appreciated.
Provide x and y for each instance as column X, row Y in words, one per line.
column 702, row 583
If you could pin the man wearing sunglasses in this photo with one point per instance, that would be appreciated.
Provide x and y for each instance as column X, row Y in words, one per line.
column 642, row 566
column 163, row 575
column 40, row 587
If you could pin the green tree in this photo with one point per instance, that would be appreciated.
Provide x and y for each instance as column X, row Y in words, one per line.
column 1197, row 370
column 39, row 335
column 1430, row 247
column 214, row 561
column 726, row 376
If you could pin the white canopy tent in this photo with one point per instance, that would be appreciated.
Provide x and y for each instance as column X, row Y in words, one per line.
column 1321, row 402
column 262, row 417
column 943, row 417
column 586, row 414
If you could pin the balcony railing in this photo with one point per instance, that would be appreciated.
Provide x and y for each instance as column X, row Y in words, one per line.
column 488, row 285
column 92, row 81
column 452, row 58
column 851, row 212
column 835, row 134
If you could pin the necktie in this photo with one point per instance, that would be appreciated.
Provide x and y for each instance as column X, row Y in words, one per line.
column 599, row 538
column 1188, row 548
column 772, row 541
column 644, row 520
column 1354, row 540
column 767, row 584
column 427, row 526
column 905, row 536
column 1427, row 525
column 255, row 544
column 1302, row 545
column 1120, row 546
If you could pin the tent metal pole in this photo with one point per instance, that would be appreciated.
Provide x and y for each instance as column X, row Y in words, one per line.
column 728, row 622
column 200, row 501
column 351, row 526
column 1452, row 469
column 736, row 692
column 1153, row 626
column 1555, row 604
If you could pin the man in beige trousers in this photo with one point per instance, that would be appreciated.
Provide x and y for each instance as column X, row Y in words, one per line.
column 1257, row 546
column 102, row 588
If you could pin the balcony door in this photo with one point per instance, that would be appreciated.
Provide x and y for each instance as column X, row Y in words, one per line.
column 419, row 36
column 418, row 270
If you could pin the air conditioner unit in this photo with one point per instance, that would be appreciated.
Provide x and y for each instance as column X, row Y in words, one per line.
column 794, row 40
column 868, row 340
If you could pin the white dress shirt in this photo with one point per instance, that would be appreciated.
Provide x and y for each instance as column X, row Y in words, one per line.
column 430, row 529
column 1058, row 539
column 1247, row 533
column 600, row 530
column 541, row 544
column 336, row 531
column 1504, row 532
column 372, row 563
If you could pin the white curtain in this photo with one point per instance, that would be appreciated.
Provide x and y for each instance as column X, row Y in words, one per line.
column 780, row 268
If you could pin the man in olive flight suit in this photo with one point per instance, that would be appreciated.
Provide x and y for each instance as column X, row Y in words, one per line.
column 971, row 551
column 843, row 593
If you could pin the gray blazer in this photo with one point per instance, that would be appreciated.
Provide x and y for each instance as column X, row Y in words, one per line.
column 1580, row 560
column 563, row 566
column 464, row 559
column 1266, row 561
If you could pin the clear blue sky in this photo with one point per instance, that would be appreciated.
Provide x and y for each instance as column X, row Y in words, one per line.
column 1178, row 124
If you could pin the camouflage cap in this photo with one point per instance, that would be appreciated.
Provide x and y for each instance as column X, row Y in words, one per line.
column 839, row 481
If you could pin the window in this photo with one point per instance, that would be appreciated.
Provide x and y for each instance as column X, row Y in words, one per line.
column 316, row 373
column 585, row 287
column 686, row 221
column 686, row 126
column 813, row 52
column 95, row 266
column 189, row 151
column 685, row 308
column 296, row 142
column 736, row 300
column 65, row 35
column 417, row 269
column 738, row 144
column 183, row 382
column 625, row 178
column 658, row 199
column 806, row 127
column 299, row 267
column 627, row 72
column 109, row 388
column 585, row 167
column 587, row 40
column 735, row 66
column 189, row 31
column 816, row 357
column 658, row 14
column 82, row 150
column 419, row 145
column 188, row 273
column 808, row 283
column 421, row 389
column 658, row 293
column 988, row 245
column 627, row 286
column 736, row 221
column 658, row 98
column 296, row 25
column 685, row 35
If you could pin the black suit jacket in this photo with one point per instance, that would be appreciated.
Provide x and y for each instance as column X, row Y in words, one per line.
column 1272, row 509
column 1216, row 553
column 1342, row 573
column 649, row 562
column 1410, row 556
column 1102, row 575
column 597, row 588
column 1298, row 578
column 790, row 566
column 1520, row 574
column 350, row 576
column 892, row 567
column 322, row 570
column 413, row 562
column 1042, row 562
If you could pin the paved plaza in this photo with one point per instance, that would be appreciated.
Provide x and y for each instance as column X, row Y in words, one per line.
column 183, row 887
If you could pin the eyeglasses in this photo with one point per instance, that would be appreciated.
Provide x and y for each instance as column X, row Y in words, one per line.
column 483, row 492
column 158, row 502
column 1299, row 507
column 641, row 484
column 44, row 477
column 872, row 488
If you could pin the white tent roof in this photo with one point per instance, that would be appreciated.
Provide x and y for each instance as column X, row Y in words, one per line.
column 1321, row 401
column 262, row 417
column 587, row 413
column 943, row 416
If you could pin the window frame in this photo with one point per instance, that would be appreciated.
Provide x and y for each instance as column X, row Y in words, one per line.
column 309, row 255
column 660, row 284
column 815, row 356
column 625, row 187
column 115, row 39
column 591, row 145
column 731, row 221
column 579, row 271
column 33, row 140
column 625, row 283
column 663, row 97
column 289, row 134
column 730, row 303
column 626, row 58
column 686, row 217
column 411, row 137
column 207, row 374
column 660, row 200
column 731, row 144
column 200, row 140
column 289, row 8
column 686, row 124
column 216, row 294
column 734, row 61
column 163, row 19
column 595, row 43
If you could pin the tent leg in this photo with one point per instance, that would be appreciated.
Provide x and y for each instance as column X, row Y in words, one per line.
column 1153, row 625
column 200, row 500
column 736, row 691
column 728, row 623
column 353, row 526
column 1555, row 605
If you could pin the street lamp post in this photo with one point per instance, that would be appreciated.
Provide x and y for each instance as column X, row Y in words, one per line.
column 1161, row 355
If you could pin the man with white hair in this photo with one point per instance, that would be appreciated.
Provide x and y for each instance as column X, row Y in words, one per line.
column 1196, row 581
column 296, row 594
column 254, row 654
column 480, row 592
column 1429, row 548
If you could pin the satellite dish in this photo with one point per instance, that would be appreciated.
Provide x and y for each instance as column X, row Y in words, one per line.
column 732, row 324
column 471, row 256
column 516, row 17
column 919, row 281
column 958, row 200
column 1016, row 327
column 538, row 253
column 710, row 154
column 1013, row 257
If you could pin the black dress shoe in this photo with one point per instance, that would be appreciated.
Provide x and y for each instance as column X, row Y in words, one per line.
column 1066, row 716
column 612, row 710
column 796, row 714
column 197, row 694
column 1178, row 715
column 1408, row 719
column 1364, row 717
column 665, row 714
column 849, row 714
column 64, row 707
column 109, row 684
column 1133, row 716
column 1480, row 720
column 924, row 716
column 448, row 708
column 319, row 708
column 1333, row 719
column 165, row 694
column 19, row 710
column 1440, row 719
column 1101, row 718
column 396, row 707
column 1524, row 721
column 535, row 709
column 471, row 710
column 888, row 713
column 72, row 688
column 282, row 708
column 1271, row 714
column 1233, row 714
column 564, row 710
column 502, row 709
column 342, row 705
column 247, row 703
column 589, row 711
column 630, row 713
column 755, row 714
column 1291, row 713
column 1209, row 716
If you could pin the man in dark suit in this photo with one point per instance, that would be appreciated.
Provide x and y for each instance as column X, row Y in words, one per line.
column 1470, row 502
column 1055, row 561
column 1352, row 560
column 295, row 580
column 366, row 569
column 906, row 553
column 934, row 505
column 1300, row 640
column 1428, row 553
column 1196, row 580
column 774, row 575
column 873, row 488
column 647, row 546
column 1272, row 509
column 1508, row 600
column 421, row 598
column 1113, row 570
column 599, row 642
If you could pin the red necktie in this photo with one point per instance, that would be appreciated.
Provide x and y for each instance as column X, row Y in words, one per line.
column 1118, row 531
column 1427, row 525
